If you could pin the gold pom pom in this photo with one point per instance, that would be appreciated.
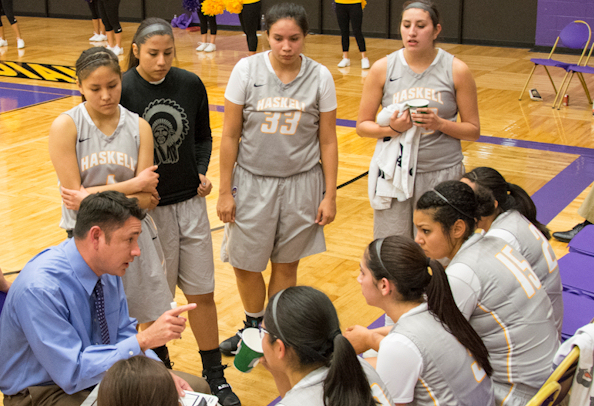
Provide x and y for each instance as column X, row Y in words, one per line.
column 234, row 6
column 363, row 4
column 213, row 7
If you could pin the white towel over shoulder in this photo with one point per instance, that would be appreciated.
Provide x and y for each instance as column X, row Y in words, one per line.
column 394, row 163
column 582, row 390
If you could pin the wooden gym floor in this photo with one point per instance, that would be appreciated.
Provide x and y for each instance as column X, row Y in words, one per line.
column 548, row 152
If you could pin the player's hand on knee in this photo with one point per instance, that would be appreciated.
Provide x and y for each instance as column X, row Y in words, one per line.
column 326, row 211
column 226, row 208
column 205, row 186
column 166, row 328
column 148, row 179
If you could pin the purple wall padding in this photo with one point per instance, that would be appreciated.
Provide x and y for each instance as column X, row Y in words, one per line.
column 233, row 19
column 553, row 15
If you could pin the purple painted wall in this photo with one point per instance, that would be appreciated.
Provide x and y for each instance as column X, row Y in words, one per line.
column 233, row 19
column 553, row 15
column 222, row 19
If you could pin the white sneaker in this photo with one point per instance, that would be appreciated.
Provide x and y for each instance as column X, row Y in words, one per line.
column 202, row 46
column 94, row 38
column 3, row 43
column 101, row 37
column 210, row 48
column 20, row 43
column 116, row 50
column 365, row 63
column 344, row 63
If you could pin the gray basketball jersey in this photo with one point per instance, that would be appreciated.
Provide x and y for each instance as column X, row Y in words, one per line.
column 101, row 159
column 310, row 390
column 280, row 121
column 451, row 376
column 514, row 315
column 437, row 151
column 523, row 236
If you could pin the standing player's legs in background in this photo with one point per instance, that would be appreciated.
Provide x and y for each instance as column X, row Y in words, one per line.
column 249, row 19
column 109, row 11
column 98, row 27
column 6, row 9
column 207, row 22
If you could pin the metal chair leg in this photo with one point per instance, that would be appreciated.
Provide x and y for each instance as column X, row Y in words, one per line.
column 561, row 91
column 528, row 81
column 551, row 79
column 558, row 95
column 585, row 86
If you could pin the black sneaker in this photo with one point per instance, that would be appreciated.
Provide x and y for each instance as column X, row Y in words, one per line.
column 566, row 236
column 219, row 386
column 229, row 346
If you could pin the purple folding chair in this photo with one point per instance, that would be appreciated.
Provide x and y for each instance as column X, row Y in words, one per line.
column 583, row 242
column 576, row 271
column 580, row 70
column 578, row 310
column 575, row 35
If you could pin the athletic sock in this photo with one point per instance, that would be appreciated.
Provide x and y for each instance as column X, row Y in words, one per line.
column 251, row 321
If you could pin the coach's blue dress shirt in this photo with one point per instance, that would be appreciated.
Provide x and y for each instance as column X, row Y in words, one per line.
column 48, row 331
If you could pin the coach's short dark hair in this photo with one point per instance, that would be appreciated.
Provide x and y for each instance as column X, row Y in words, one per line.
column 109, row 210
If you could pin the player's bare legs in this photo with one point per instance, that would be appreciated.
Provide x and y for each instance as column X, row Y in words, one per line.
column 282, row 277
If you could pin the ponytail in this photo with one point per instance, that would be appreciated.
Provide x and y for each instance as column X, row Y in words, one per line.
column 508, row 195
column 346, row 383
column 525, row 205
column 401, row 261
column 305, row 320
column 440, row 302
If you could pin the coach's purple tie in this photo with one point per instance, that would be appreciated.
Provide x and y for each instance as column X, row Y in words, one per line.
column 100, row 312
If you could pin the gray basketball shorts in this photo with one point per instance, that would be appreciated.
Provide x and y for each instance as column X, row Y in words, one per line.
column 184, row 231
column 145, row 280
column 398, row 219
column 274, row 219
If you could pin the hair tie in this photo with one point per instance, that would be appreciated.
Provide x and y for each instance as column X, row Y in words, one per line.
column 422, row 6
column 274, row 303
column 378, row 250
column 452, row 206
column 429, row 270
column 336, row 333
